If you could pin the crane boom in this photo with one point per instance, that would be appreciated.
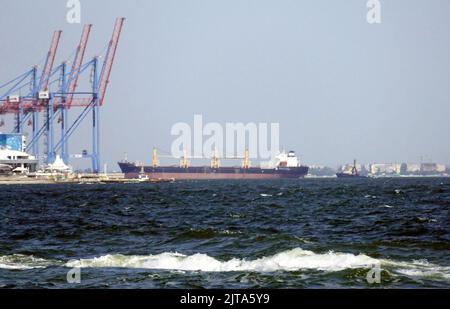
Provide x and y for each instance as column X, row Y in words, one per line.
column 109, row 59
column 76, row 66
column 43, row 82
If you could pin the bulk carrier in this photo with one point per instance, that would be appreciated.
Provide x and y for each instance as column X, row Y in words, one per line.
column 286, row 166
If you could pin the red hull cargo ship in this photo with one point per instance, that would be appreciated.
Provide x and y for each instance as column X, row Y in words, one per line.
column 286, row 166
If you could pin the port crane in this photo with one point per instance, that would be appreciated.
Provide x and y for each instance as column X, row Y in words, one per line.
column 42, row 102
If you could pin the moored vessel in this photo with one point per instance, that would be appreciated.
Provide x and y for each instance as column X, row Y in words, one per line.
column 286, row 166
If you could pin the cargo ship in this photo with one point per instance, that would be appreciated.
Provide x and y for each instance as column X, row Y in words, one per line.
column 286, row 166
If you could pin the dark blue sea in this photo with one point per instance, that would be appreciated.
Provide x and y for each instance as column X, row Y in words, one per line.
column 310, row 233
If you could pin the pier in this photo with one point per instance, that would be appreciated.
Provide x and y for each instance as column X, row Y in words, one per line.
column 75, row 179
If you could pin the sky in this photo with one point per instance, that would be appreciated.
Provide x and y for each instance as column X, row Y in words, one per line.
column 339, row 87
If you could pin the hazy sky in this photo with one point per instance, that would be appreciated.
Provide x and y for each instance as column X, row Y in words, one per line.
column 339, row 87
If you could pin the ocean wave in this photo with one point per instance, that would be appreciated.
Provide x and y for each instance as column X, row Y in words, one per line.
column 421, row 269
column 291, row 260
column 23, row 262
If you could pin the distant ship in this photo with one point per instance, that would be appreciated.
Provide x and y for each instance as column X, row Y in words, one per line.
column 287, row 166
column 353, row 174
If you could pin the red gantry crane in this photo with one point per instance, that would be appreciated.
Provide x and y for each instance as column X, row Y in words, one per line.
column 43, row 99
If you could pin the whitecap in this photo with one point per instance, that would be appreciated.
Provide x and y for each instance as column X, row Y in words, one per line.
column 291, row 260
column 386, row 206
column 421, row 269
column 22, row 262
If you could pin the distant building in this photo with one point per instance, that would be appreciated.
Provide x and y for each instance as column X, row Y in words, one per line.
column 413, row 168
column 385, row 168
column 426, row 168
column 347, row 168
column 12, row 141
column 321, row 170
column 441, row 168
column 13, row 158
column 419, row 169
column 13, row 161
column 403, row 169
column 432, row 168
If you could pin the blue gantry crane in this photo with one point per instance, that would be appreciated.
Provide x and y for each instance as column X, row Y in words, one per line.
column 43, row 101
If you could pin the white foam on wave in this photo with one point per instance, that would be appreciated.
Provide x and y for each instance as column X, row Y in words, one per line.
column 291, row 260
column 386, row 206
column 421, row 269
column 23, row 262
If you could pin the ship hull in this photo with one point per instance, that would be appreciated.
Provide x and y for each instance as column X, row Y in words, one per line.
column 131, row 170
column 344, row 175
